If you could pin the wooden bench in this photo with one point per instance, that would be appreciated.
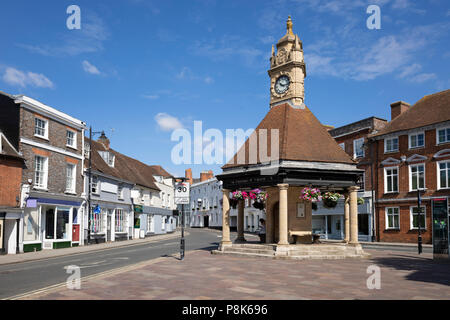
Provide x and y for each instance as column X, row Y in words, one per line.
column 297, row 234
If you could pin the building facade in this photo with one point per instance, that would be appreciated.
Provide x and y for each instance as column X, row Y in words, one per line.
column 353, row 139
column 51, row 143
column 413, row 156
column 205, row 204
column 11, row 215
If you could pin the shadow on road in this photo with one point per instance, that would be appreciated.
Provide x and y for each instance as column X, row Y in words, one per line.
column 422, row 269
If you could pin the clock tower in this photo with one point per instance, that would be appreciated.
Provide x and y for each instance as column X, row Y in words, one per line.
column 287, row 70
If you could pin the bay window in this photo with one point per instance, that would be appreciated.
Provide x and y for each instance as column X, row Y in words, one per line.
column 417, row 177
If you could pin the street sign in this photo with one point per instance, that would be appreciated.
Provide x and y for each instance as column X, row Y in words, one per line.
column 182, row 193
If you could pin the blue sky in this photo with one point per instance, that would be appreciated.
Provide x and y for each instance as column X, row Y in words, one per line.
column 138, row 68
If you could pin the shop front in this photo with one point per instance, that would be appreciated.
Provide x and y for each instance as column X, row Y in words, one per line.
column 50, row 223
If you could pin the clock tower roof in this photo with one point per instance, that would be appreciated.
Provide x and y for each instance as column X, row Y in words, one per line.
column 289, row 36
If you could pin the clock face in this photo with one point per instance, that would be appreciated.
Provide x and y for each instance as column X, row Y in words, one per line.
column 282, row 84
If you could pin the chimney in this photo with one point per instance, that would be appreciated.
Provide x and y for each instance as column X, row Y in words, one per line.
column 188, row 175
column 104, row 140
column 210, row 174
column 397, row 108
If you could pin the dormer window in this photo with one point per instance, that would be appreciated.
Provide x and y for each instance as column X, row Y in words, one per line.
column 108, row 157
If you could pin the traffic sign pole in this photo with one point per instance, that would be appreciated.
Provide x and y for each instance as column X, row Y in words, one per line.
column 182, row 197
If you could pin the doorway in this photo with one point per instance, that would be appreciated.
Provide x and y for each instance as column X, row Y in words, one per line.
column 206, row 221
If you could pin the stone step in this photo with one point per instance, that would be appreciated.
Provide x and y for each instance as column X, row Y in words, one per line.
column 245, row 254
column 249, row 250
column 254, row 246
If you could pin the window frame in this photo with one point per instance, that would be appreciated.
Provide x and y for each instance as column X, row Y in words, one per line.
column 99, row 222
column 45, row 121
column 410, row 177
column 43, row 186
column 386, row 178
column 97, row 191
column 387, row 218
column 362, row 148
column 392, row 151
column 342, row 145
column 437, row 135
column 439, row 186
column 119, row 221
column 74, row 145
column 411, row 220
column 416, row 134
column 74, row 175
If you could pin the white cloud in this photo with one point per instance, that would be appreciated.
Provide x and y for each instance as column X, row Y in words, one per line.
column 167, row 122
column 412, row 74
column 150, row 96
column 90, row 68
column 23, row 79
column 209, row 80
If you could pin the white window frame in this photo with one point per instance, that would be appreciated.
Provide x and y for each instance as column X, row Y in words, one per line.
column 424, row 213
column 439, row 174
column 386, row 178
column 389, row 139
column 73, row 178
column 410, row 177
column 44, row 171
column 362, row 148
column 45, row 135
column 108, row 157
column 342, row 145
column 119, row 221
column 74, row 145
column 437, row 135
column 387, row 218
column 416, row 134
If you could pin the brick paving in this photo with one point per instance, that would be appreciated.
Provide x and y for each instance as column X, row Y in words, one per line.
column 203, row 276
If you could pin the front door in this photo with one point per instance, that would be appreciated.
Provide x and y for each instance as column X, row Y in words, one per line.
column 440, row 231
column 206, row 221
column 108, row 230
column 2, row 227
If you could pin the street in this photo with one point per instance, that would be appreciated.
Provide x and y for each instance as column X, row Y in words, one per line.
column 28, row 276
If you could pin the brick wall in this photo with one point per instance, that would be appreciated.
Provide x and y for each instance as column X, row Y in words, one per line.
column 57, row 162
column 398, row 199
column 10, row 179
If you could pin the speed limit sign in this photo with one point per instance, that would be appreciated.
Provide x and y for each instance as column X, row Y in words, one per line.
column 182, row 193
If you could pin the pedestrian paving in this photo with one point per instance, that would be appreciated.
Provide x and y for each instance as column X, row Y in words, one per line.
column 203, row 276
column 46, row 254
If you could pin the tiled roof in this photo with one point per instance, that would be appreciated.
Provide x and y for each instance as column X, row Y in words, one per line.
column 301, row 138
column 159, row 171
column 429, row 110
column 125, row 168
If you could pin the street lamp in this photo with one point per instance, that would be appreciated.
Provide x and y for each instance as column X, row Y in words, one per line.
column 419, row 202
column 90, row 180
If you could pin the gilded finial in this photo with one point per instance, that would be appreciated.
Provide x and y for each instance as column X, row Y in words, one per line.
column 289, row 26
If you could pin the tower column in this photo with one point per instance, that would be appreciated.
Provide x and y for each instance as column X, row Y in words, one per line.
column 353, row 215
column 347, row 217
column 283, row 221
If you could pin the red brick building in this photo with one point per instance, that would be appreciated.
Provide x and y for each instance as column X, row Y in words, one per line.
column 11, row 165
column 412, row 153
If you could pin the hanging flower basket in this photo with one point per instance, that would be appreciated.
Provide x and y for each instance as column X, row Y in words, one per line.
column 311, row 195
column 361, row 201
column 330, row 199
column 259, row 198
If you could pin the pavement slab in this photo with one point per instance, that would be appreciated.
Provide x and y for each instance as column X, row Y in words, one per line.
column 202, row 276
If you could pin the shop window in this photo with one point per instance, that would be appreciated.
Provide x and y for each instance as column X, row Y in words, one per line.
column 119, row 220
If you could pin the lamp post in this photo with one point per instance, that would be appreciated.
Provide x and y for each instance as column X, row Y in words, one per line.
column 90, row 180
column 419, row 240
